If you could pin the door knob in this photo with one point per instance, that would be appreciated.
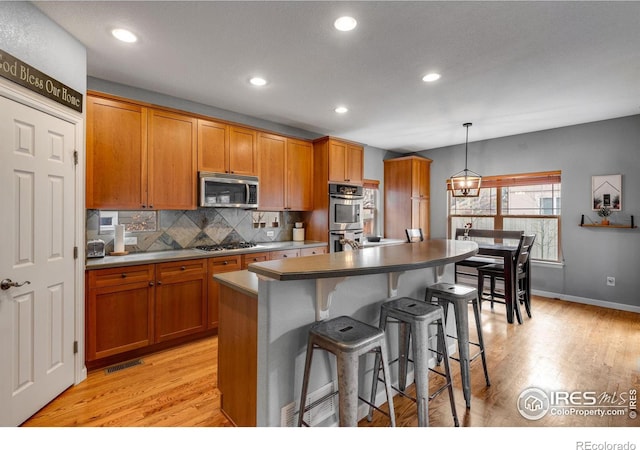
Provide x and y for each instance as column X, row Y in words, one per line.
column 7, row 283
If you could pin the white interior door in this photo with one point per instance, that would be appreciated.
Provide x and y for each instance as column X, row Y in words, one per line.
column 37, row 223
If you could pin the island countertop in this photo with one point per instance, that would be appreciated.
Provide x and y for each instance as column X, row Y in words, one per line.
column 366, row 261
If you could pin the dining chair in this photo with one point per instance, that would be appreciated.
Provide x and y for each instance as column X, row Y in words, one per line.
column 414, row 234
column 522, row 277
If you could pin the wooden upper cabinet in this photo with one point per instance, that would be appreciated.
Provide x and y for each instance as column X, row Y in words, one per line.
column 286, row 173
column 213, row 146
column 139, row 157
column 116, row 154
column 272, row 151
column 172, row 164
column 243, row 155
column 420, row 177
column 299, row 175
column 346, row 162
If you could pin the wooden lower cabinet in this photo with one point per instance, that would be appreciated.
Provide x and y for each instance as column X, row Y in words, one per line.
column 181, row 291
column 220, row 264
column 253, row 258
column 313, row 251
column 119, row 310
column 282, row 254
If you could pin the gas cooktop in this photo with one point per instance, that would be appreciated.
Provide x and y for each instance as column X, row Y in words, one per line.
column 227, row 246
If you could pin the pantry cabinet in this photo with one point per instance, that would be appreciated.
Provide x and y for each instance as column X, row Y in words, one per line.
column 139, row 157
column 406, row 196
column 286, row 173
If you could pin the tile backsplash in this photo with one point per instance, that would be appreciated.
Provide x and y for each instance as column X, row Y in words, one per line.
column 175, row 230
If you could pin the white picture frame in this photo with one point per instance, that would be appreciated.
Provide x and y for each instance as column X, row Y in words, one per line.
column 606, row 190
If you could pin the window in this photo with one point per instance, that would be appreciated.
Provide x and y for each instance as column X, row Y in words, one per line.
column 529, row 202
column 370, row 208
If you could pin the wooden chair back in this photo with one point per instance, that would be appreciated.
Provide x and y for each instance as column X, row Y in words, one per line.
column 524, row 250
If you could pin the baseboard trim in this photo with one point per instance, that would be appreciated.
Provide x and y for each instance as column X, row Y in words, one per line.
column 587, row 301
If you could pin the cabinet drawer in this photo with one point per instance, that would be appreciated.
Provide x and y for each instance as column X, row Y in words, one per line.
column 182, row 269
column 120, row 275
column 225, row 264
column 254, row 257
column 284, row 254
column 313, row 251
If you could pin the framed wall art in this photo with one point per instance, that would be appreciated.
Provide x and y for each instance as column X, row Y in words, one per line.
column 606, row 191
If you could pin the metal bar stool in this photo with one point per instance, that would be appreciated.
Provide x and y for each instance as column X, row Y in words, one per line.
column 414, row 318
column 347, row 339
column 460, row 297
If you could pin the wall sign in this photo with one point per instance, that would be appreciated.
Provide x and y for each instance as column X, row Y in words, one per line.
column 25, row 75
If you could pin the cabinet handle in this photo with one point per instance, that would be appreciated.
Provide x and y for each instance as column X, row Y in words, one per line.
column 159, row 283
column 255, row 259
column 284, row 256
column 225, row 263
column 183, row 268
column 151, row 283
column 124, row 275
column 151, row 206
column 144, row 206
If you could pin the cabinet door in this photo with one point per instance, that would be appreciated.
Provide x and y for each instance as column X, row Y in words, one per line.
column 354, row 170
column 243, row 155
column 181, row 299
column 299, row 175
column 337, row 161
column 116, row 155
column 272, row 150
column 119, row 315
column 420, row 215
column 420, row 178
column 172, row 161
column 213, row 146
column 220, row 264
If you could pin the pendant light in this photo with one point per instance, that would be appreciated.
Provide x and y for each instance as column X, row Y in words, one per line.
column 465, row 183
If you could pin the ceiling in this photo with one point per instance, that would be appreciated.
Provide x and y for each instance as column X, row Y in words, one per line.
column 507, row 67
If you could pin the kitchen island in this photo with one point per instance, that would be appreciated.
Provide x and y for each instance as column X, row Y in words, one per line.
column 266, row 312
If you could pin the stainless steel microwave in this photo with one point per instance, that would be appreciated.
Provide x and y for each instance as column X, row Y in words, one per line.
column 223, row 190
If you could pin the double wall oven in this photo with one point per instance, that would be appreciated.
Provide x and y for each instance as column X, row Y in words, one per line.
column 345, row 215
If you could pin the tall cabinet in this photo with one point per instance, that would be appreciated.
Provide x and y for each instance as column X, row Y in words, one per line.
column 406, row 195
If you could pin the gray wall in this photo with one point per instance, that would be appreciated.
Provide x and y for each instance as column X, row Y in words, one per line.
column 590, row 254
column 31, row 36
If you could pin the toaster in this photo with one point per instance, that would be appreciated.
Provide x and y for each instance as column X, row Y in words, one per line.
column 95, row 248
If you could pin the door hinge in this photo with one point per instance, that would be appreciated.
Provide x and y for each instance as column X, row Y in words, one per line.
column 75, row 252
column 75, row 347
column 75, row 157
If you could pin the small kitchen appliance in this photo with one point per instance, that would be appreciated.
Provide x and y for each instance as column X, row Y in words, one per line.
column 95, row 248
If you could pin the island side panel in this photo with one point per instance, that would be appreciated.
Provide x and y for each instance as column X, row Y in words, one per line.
column 237, row 355
column 286, row 311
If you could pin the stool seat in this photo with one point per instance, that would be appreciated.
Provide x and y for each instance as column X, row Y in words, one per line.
column 460, row 296
column 417, row 316
column 346, row 334
column 348, row 339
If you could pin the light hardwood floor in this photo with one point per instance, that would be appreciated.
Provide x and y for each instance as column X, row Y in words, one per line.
column 565, row 346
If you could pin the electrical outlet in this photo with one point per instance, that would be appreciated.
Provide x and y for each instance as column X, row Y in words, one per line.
column 271, row 233
column 131, row 240
column 611, row 281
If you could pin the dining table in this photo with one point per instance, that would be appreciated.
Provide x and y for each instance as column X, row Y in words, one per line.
column 507, row 253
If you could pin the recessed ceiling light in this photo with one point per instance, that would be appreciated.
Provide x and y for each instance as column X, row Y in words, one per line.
column 431, row 77
column 257, row 81
column 345, row 23
column 341, row 109
column 124, row 35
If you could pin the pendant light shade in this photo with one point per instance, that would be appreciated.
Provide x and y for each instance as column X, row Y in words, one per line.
column 465, row 183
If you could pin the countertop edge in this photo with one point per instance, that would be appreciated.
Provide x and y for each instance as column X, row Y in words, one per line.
column 136, row 259
column 242, row 281
column 356, row 271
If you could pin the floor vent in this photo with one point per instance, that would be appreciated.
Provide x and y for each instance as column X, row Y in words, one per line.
column 124, row 365
column 289, row 413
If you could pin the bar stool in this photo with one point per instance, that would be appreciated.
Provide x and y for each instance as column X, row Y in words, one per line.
column 347, row 339
column 414, row 318
column 460, row 297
